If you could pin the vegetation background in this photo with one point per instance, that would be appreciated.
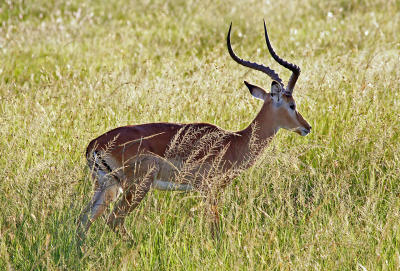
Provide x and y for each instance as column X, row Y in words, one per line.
column 71, row 70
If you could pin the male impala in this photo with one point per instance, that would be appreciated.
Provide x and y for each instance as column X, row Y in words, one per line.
column 196, row 156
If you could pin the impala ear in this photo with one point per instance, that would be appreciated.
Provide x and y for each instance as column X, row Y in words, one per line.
column 276, row 91
column 257, row 92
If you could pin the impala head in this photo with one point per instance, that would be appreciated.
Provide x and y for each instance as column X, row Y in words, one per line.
column 280, row 102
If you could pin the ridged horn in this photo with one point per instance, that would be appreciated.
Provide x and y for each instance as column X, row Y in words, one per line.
column 294, row 68
column 268, row 71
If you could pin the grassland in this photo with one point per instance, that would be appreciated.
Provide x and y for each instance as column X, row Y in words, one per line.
column 71, row 70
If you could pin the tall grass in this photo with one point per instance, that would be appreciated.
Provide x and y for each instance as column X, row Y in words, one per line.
column 71, row 70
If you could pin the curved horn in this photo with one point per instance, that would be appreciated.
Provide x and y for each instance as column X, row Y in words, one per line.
column 294, row 68
column 271, row 73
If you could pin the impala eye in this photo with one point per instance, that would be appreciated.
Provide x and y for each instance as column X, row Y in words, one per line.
column 292, row 106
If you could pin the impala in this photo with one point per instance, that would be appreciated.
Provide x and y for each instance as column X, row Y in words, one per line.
column 130, row 160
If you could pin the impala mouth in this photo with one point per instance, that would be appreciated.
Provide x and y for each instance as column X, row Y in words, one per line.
column 303, row 131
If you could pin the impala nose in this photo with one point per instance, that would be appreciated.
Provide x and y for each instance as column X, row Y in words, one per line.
column 308, row 127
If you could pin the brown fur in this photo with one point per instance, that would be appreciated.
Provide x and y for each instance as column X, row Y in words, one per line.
column 139, row 154
column 199, row 155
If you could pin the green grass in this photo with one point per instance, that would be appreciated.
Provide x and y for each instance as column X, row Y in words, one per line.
column 71, row 70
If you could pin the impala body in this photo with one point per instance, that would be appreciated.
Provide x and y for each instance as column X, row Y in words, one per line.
column 199, row 156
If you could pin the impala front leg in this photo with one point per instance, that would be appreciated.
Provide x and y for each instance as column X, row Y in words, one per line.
column 212, row 205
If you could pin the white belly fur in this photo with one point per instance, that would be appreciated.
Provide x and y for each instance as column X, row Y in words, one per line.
column 170, row 186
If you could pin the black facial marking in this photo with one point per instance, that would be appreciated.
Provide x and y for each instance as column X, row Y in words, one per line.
column 287, row 94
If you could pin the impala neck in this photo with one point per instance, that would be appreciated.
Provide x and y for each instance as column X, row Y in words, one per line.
column 261, row 130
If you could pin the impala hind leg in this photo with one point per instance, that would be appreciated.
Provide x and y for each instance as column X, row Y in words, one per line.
column 134, row 192
column 107, row 191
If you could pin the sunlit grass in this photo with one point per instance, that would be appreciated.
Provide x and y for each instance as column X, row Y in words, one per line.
column 71, row 70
